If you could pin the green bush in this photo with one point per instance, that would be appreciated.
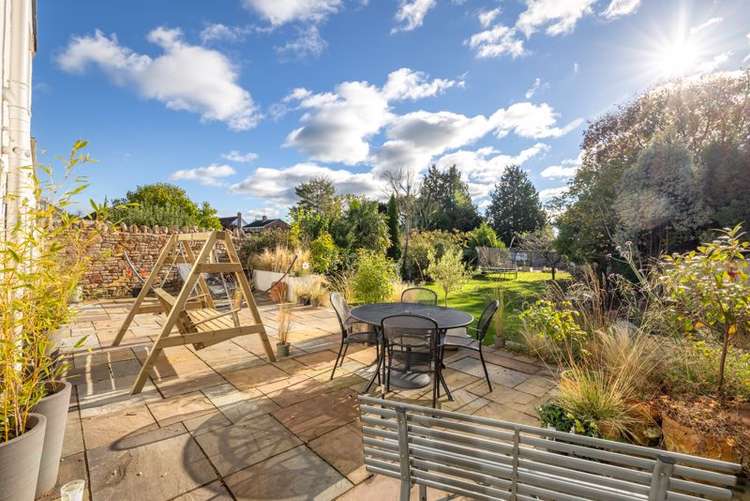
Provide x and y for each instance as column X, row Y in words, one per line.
column 694, row 370
column 421, row 244
column 553, row 330
column 448, row 271
column 323, row 253
column 373, row 278
column 553, row 414
column 256, row 243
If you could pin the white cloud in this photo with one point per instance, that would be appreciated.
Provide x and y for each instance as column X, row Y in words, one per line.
column 405, row 83
column 308, row 43
column 530, row 120
column 566, row 169
column 279, row 12
column 185, row 77
column 705, row 25
column 210, row 175
column 576, row 68
column 549, row 193
column 276, row 211
column 482, row 168
column 221, row 32
column 495, row 42
column 236, row 156
column 415, row 138
column 486, row 17
column 534, row 87
column 337, row 125
column 278, row 184
column 411, row 13
column 715, row 62
column 619, row 8
column 559, row 16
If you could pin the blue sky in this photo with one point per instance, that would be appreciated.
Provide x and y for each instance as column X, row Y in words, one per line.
column 239, row 100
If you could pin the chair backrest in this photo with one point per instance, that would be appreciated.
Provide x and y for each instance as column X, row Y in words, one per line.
column 484, row 320
column 413, row 333
column 342, row 310
column 484, row 458
column 419, row 295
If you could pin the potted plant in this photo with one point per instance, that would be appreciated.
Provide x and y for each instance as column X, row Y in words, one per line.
column 284, row 326
column 42, row 261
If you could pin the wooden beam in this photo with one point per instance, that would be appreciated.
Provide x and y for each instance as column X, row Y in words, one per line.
column 220, row 268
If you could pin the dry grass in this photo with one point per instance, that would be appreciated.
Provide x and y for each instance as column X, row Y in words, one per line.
column 279, row 259
column 284, row 326
column 312, row 288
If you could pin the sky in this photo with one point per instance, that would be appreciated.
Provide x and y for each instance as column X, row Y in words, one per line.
column 237, row 101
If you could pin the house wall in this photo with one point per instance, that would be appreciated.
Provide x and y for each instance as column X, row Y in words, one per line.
column 108, row 274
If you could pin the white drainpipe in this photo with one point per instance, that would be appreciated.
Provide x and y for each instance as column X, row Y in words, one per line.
column 18, row 47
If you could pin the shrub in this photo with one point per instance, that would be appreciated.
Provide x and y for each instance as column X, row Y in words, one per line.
column 710, row 288
column 421, row 244
column 552, row 330
column 694, row 370
column 323, row 253
column 255, row 243
column 312, row 289
column 481, row 236
column 553, row 414
column 448, row 271
column 373, row 278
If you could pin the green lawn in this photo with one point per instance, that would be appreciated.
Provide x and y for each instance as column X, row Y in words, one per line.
column 481, row 289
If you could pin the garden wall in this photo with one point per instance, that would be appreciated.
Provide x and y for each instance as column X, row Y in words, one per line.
column 108, row 274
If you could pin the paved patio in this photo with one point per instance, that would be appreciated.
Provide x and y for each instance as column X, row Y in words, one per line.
column 224, row 423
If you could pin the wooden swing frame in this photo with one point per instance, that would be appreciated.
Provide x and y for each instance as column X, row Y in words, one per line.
column 198, row 322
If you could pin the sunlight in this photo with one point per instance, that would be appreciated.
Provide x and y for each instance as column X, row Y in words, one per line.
column 677, row 58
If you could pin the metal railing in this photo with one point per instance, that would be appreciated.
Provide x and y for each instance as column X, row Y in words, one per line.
column 488, row 459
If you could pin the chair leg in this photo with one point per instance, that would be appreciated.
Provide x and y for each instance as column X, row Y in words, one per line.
column 388, row 371
column 338, row 355
column 377, row 369
column 344, row 355
column 374, row 376
column 484, row 366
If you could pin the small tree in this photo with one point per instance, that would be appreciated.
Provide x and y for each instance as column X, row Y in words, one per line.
column 542, row 242
column 709, row 288
column 373, row 278
column 394, row 250
column 448, row 271
column 323, row 252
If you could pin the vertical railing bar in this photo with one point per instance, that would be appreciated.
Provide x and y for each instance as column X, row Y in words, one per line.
column 660, row 478
column 403, row 449
column 516, row 451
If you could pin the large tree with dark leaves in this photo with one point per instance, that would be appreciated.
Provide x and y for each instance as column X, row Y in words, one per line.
column 707, row 123
column 445, row 203
column 515, row 207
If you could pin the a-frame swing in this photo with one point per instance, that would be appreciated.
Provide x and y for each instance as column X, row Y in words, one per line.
column 198, row 324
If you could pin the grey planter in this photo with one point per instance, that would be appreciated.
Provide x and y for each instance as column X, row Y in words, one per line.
column 19, row 461
column 282, row 350
column 54, row 407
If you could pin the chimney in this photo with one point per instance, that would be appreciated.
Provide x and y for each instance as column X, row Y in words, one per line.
column 263, row 217
column 239, row 220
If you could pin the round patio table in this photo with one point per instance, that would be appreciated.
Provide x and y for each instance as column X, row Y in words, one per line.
column 445, row 318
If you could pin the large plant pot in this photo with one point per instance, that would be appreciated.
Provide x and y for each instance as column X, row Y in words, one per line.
column 19, row 461
column 54, row 407
column 681, row 438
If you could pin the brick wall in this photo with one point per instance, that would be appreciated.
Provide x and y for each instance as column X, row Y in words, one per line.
column 108, row 274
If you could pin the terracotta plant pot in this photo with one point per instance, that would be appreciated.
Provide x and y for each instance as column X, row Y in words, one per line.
column 54, row 407
column 19, row 461
column 282, row 349
column 682, row 438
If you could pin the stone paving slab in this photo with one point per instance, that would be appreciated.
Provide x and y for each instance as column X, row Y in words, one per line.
column 296, row 474
column 224, row 423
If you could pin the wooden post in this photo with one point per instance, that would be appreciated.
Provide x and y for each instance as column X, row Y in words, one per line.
column 166, row 251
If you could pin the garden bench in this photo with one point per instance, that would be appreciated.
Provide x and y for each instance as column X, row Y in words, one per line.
column 484, row 458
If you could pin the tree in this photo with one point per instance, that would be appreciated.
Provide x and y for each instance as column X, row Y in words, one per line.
column 710, row 288
column 317, row 195
column 163, row 204
column 658, row 203
column 361, row 227
column 515, row 207
column 448, row 270
column 403, row 187
column 542, row 242
column 394, row 250
column 708, row 117
column 445, row 202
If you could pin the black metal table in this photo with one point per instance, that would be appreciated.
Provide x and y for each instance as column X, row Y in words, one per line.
column 445, row 318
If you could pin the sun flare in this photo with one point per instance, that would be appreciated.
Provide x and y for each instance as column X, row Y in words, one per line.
column 677, row 58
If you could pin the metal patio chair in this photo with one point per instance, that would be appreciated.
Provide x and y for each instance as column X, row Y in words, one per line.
column 471, row 338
